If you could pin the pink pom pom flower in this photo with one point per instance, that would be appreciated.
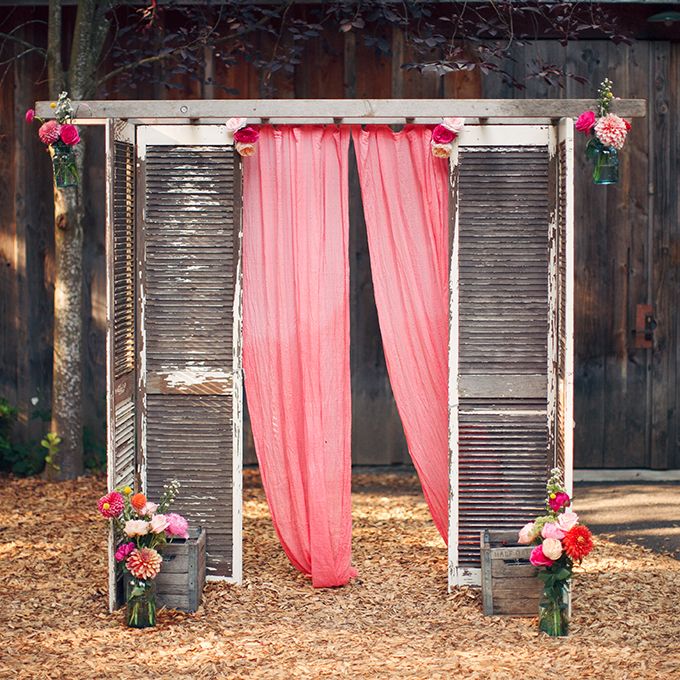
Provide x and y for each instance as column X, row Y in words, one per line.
column 49, row 132
column 611, row 130
column 30, row 115
column 111, row 505
column 177, row 525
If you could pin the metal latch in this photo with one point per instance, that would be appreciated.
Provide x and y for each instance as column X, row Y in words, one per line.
column 645, row 324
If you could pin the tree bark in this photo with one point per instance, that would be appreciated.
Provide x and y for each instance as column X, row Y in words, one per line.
column 68, row 299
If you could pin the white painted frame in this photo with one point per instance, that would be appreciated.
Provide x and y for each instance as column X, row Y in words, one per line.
column 212, row 135
column 123, row 132
column 565, row 133
column 489, row 136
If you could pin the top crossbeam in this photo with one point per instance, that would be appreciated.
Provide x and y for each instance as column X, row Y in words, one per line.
column 345, row 111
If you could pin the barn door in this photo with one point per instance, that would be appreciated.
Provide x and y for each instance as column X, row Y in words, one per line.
column 121, row 371
column 503, row 364
column 189, row 186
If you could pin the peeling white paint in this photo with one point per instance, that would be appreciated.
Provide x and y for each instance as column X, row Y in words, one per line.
column 198, row 376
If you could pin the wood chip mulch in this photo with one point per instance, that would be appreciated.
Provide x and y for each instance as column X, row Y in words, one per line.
column 395, row 621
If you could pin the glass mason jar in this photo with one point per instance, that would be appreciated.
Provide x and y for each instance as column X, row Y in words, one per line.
column 64, row 166
column 605, row 162
column 553, row 610
column 141, row 603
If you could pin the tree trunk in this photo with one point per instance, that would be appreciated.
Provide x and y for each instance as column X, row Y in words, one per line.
column 67, row 377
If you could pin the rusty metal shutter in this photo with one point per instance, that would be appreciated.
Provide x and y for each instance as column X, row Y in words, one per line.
column 120, row 322
column 190, row 181
column 501, row 410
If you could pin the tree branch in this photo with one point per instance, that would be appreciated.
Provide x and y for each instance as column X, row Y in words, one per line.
column 55, row 71
column 23, row 43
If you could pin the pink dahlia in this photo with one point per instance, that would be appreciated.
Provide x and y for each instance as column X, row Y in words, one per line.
column 111, row 505
column 49, row 132
column 247, row 135
column 177, row 525
column 443, row 135
column 144, row 563
column 585, row 122
column 611, row 130
column 30, row 115
column 124, row 551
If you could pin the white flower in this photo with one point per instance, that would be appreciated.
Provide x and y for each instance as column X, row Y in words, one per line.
column 527, row 533
column 234, row 124
column 454, row 124
column 245, row 149
column 442, row 150
column 136, row 527
column 147, row 509
column 567, row 520
column 552, row 548
column 158, row 524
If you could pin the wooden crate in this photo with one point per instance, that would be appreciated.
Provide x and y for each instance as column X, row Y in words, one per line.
column 509, row 583
column 180, row 583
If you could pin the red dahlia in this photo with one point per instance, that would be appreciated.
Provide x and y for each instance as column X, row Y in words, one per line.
column 578, row 542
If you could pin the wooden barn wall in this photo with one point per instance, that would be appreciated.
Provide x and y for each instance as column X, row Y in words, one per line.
column 627, row 243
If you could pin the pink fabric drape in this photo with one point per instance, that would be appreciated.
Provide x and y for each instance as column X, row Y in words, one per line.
column 296, row 341
column 405, row 198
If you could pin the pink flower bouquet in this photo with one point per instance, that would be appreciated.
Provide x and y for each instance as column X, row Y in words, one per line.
column 444, row 135
column 560, row 540
column 60, row 137
column 245, row 136
column 141, row 529
column 606, row 134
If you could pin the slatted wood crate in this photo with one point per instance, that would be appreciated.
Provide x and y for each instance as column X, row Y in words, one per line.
column 180, row 583
column 509, row 582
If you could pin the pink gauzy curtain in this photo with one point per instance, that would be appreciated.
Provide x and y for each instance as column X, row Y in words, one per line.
column 296, row 341
column 405, row 197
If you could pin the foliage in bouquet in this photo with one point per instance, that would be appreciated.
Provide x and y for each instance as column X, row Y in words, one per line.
column 604, row 129
column 60, row 137
column 561, row 540
column 141, row 528
column 443, row 136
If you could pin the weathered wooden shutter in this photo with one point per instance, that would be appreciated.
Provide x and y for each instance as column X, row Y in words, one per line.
column 502, row 363
column 190, row 353
column 121, row 310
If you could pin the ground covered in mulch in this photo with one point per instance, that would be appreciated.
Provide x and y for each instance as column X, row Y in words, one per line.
column 395, row 621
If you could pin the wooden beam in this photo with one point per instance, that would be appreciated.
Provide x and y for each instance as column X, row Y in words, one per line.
column 365, row 110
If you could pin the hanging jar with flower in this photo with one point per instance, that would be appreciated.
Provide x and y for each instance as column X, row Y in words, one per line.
column 60, row 137
column 606, row 136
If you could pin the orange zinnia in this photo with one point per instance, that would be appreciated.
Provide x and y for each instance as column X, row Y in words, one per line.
column 138, row 501
column 578, row 542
